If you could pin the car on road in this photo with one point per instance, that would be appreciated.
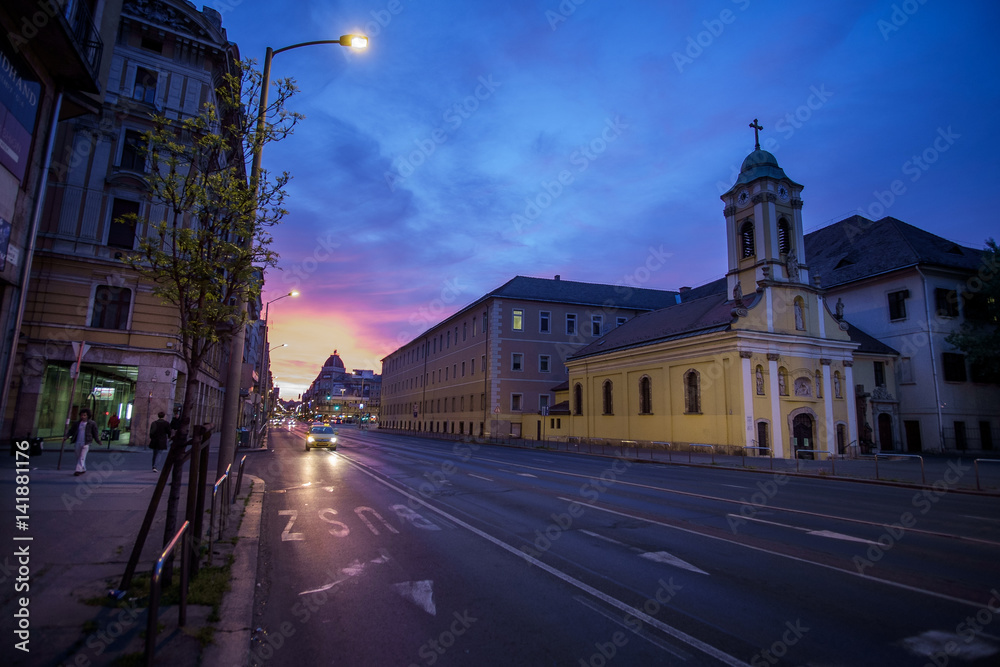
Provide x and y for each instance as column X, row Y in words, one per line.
column 321, row 436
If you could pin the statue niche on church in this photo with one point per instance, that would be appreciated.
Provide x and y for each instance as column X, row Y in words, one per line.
column 792, row 266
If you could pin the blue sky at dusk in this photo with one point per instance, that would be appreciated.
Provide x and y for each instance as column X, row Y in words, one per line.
column 473, row 142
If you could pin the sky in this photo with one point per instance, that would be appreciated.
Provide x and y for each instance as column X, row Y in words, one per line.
column 476, row 141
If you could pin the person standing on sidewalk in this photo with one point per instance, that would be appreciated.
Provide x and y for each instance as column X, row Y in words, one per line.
column 159, row 430
column 83, row 432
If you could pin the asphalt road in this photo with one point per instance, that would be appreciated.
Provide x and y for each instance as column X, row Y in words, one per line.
column 406, row 551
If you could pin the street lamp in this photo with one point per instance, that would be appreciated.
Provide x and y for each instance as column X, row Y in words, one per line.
column 230, row 409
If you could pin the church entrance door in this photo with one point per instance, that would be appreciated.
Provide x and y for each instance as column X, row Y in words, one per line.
column 885, row 433
column 802, row 435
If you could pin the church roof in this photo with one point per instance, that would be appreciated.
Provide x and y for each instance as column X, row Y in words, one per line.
column 858, row 248
column 760, row 164
column 699, row 316
column 593, row 294
column 869, row 344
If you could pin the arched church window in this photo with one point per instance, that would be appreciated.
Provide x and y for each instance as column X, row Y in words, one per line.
column 645, row 396
column 692, row 392
column 746, row 239
column 578, row 399
column 608, row 394
column 784, row 236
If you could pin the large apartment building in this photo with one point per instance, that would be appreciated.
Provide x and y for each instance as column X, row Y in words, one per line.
column 168, row 58
column 480, row 371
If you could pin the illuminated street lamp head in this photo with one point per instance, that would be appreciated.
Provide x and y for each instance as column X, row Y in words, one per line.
column 294, row 292
column 354, row 41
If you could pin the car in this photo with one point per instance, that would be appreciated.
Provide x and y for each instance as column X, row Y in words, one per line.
column 321, row 436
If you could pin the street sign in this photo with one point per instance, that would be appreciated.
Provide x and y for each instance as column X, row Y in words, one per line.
column 496, row 410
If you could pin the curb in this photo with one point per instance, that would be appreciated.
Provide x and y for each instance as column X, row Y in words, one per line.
column 232, row 639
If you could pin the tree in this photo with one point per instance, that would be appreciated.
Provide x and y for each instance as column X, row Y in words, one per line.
column 204, row 239
column 979, row 335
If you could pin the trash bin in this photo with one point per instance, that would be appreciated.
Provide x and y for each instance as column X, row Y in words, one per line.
column 243, row 437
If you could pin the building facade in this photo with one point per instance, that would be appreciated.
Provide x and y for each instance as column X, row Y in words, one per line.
column 83, row 303
column 832, row 342
column 339, row 396
column 483, row 369
column 55, row 59
column 910, row 289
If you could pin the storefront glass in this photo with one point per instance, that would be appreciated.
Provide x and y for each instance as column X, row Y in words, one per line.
column 108, row 391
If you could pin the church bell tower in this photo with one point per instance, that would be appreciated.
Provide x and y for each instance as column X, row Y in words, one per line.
column 763, row 213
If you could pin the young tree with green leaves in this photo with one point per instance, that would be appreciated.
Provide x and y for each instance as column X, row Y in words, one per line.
column 204, row 239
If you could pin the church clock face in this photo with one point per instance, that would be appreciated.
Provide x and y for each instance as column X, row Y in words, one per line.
column 743, row 198
column 783, row 193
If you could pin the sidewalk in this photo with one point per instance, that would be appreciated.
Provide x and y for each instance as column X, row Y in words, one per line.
column 76, row 539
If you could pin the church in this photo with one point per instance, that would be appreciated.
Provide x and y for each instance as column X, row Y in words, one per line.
column 769, row 359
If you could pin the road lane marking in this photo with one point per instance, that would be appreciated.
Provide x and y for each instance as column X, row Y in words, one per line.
column 525, row 474
column 360, row 511
column 807, row 531
column 420, row 593
column 602, row 537
column 695, row 643
column 851, row 573
column 670, row 559
column 703, row 496
column 488, row 479
column 352, row 570
column 287, row 535
column 655, row 641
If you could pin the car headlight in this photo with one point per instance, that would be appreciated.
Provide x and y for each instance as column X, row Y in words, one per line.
column 333, row 440
column 310, row 439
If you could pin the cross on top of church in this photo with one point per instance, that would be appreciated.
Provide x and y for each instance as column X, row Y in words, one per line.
column 756, row 137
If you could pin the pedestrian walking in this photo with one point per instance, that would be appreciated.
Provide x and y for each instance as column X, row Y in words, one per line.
column 159, row 431
column 83, row 432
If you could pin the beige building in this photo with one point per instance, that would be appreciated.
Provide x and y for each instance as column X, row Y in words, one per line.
column 55, row 59
column 168, row 58
column 482, row 370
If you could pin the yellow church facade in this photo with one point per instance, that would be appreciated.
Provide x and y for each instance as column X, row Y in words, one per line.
column 759, row 360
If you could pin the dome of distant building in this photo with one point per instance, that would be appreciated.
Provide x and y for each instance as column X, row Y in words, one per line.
column 334, row 362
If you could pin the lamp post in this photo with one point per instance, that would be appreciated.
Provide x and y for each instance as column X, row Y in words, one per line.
column 230, row 409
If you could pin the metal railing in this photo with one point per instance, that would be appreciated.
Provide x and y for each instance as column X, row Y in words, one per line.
column 693, row 444
column 155, row 583
column 829, row 457
column 666, row 446
column 923, row 478
column 976, row 464
column 239, row 479
column 223, row 484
